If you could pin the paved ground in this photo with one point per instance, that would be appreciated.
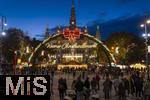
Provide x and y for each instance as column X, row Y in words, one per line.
column 69, row 81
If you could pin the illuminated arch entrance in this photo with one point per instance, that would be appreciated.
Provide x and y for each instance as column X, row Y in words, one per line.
column 47, row 44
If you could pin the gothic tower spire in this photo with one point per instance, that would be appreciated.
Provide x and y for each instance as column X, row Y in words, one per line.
column 98, row 36
column 72, row 17
column 58, row 29
column 47, row 31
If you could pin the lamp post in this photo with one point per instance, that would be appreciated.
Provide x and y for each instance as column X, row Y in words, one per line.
column 2, row 33
column 146, row 35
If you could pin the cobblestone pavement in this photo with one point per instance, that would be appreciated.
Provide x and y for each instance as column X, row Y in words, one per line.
column 69, row 78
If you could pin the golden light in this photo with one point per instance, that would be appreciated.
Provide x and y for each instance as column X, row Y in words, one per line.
column 112, row 48
column 117, row 50
column 42, row 53
column 138, row 66
column 72, row 66
column 71, row 56
column 19, row 61
column 27, row 49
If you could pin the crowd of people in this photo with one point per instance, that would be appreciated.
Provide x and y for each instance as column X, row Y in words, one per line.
column 134, row 84
column 125, row 84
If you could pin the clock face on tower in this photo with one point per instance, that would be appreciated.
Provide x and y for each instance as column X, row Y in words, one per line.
column 72, row 22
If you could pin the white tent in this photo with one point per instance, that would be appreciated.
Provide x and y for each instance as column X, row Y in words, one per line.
column 139, row 66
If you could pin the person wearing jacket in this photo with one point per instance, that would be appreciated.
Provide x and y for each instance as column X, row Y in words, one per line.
column 61, row 88
column 107, row 87
column 147, row 90
column 79, row 88
column 87, row 88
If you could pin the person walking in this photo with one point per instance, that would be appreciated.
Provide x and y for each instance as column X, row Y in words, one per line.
column 74, row 74
column 121, row 89
column 147, row 90
column 65, row 85
column 138, row 85
column 107, row 88
column 98, row 81
column 79, row 89
column 52, row 73
column 61, row 88
column 51, row 86
column 126, row 84
column 94, row 85
column 116, row 85
column 131, row 85
column 87, row 88
column 73, row 84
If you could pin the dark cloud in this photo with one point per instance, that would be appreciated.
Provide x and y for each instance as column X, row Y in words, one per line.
column 125, row 16
column 129, row 24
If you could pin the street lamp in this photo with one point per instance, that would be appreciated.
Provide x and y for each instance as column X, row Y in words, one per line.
column 3, row 33
column 5, row 24
column 146, row 35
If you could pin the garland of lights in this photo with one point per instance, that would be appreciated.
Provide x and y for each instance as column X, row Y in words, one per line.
column 46, row 40
column 98, row 41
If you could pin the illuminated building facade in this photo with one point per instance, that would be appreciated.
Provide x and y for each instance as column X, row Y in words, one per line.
column 69, row 47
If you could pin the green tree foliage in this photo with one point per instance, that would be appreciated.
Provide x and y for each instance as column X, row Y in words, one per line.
column 126, row 47
column 17, row 40
column 12, row 42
